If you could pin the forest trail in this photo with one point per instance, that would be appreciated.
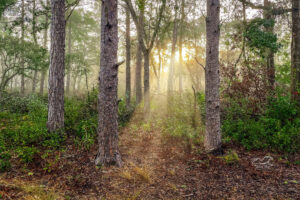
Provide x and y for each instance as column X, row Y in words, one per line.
column 154, row 167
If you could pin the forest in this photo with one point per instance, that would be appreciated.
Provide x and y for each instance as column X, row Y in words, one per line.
column 149, row 99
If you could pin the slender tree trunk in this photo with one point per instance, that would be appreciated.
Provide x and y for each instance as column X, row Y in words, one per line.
column 44, row 71
column 22, row 59
column 57, row 67
column 159, row 68
column 138, row 72
column 69, row 52
column 74, row 84
column 34, row 80
column 146, row 84
column 172, row 63
column 212, row 77
column 108, row 152
column 128, row 59
column 269, row 54
column 295, row 48
column 180, row 45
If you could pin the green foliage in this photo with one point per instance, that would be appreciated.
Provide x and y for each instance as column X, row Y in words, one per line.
column 231, row 158
column 182, row 121
column 258, row 38
column 4, row 161
column 4, row 4
column 26, row 154
column 277, row 129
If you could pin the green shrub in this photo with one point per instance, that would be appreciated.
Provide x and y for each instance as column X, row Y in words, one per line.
column 26, row 154
column 277, row 129
column 4, row 161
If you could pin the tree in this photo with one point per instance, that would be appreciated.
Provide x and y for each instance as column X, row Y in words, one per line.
column 44, row 71
column 108, row 151
column 57, row 67
column 212, row 78
column 173, row 51
column 295, row 51
column 128, row 59
column 22, row 38
column 146, row 45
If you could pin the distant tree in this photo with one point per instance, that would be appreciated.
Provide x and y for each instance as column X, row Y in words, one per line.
column 108, row 151
column 146, row 42
column 295, row 86
column 57, row 67
column 212, row 140
column 128, row 59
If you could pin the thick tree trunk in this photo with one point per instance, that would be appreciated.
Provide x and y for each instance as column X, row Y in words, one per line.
column 180, row 46
column 22, row 59
column 69, row 52
column 128, row 60
column 172, row 62
column 57, row 66
column 212, row 77
column 295, row 48
column 34, row 80
column 44, row 71
column 146, row 84
column 108, row 152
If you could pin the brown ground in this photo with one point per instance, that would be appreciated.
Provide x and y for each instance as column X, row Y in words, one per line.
column 154, row 168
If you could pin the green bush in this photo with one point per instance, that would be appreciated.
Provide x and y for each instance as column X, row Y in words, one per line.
column 4, row 161
column 277, row 129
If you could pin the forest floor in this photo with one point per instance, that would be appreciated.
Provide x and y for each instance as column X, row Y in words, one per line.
column 155, row 167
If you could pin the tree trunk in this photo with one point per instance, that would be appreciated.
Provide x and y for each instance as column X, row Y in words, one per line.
column 138, row 72
column 146, row 84
column 269, row 54
column 44, row 71
column 128, row 60
column 22, row 59
column 212, row 77
column 159, row 68
column 108, row 152
column 69, row 52
column 172, row 62
column 180, row 46
column 74, row 84
column 295, row 48
column 35, row 41
column 57, row 67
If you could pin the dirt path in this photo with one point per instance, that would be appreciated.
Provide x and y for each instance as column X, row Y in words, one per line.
column 154, row 168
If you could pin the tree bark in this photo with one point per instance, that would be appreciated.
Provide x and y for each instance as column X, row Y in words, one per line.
column 34, row 80
column 57, row 67
column 295, row 48
column 108, row 152
column 267, row 13
column 146, row 84
column 44, row 71
column 180, row 45
column 139, row 58
column 172, row 62
column 69, row 52
column 22, row 59
column 212, row 77
column 128, row 60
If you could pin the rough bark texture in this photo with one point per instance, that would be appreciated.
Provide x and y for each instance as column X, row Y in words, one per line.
column 212, row 77
column 22, row 59
column 108, row 152
column 69, row 52
column 128, row 59
column 172, row 62
column 295, row 86
column 44, row 71
column 57, row 67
